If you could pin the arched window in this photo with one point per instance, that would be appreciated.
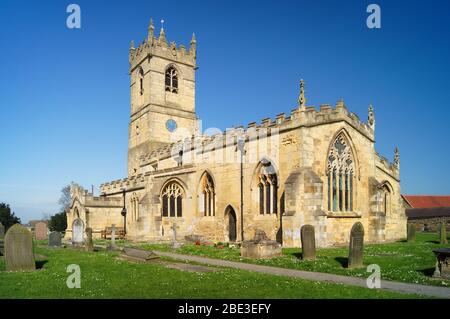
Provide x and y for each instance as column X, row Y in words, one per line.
column 141, row 81
column 384, row 199
column 172, row 80
column 172, row 200
column 134, row 207
column 209, row 195
column 267, row 188
column 341, row 172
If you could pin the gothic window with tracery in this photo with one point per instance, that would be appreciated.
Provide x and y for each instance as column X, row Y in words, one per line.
column 267, row 188
column 172, row 200
column 341, row 172
column 172, row 80
column 209, row 195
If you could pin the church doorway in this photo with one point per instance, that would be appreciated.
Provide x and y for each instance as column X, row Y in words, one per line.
column 77, row 232
column 230, row 217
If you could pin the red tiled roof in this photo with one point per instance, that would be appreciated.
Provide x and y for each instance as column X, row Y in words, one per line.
column 427, row 201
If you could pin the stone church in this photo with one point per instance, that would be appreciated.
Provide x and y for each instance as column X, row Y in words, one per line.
column 312, row 166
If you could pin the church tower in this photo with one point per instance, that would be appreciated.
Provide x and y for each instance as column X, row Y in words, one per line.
column 162, row 93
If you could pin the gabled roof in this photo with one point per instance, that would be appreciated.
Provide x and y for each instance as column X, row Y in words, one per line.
column 427, row 201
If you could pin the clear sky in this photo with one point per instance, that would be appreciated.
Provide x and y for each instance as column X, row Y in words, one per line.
column 64, row 93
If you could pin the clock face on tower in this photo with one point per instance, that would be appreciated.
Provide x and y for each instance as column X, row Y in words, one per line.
column 171, row 125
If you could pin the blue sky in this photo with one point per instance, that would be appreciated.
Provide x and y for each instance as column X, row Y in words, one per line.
column 64, row 93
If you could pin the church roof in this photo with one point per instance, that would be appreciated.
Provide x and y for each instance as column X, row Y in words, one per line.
column 427, row 201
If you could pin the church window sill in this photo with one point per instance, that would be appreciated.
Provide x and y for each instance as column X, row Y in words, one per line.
column 343, row 215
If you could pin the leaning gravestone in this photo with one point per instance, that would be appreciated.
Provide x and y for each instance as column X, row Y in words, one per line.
column 19, row 254
column 40, row 231
column 54, row 239
column 443, row 234
column 89, row 243
column 308, row 242
column 356, row 247
column 411, row 233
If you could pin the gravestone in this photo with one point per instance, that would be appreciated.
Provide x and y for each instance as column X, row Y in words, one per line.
column 260, row 246
column 77, row 232
column 19, row 254
column 308, row 242
column 2, row 231
column 40, row 231
column 411, row 233
column 113, row 245
column 54, row 239
column 356, row 247
column 175, row 243
column 139, row 255
column 443, row 234
column 89, row 243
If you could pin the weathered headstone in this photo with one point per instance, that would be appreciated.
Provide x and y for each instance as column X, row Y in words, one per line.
column 40, row 231
column 443, row 234
column 175, row 244
column 19, row 254
column 139, row 255
column 308, row 242
column 411, row 228
column 54, row 239
column 2, row 231
column 113, row 245
column 356, row 247
column 77, row 232
column 89, row 243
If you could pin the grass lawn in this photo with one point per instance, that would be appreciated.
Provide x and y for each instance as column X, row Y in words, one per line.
column 399, row 261
column 105, row 276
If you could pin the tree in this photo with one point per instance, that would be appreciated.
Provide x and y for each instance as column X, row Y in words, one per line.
column 7, row 218
column 66, row 199
column 58, row 222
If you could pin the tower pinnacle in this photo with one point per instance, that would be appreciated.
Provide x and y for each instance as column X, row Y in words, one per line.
column 151, row 31
column 302, row 98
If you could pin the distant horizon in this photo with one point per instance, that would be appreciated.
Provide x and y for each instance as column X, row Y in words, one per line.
column 67, row 104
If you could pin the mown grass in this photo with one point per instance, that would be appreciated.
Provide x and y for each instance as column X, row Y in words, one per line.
column 399, row 261
column 105, row 276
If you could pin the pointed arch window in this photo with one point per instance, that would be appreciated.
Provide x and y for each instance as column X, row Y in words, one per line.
column 141, row 81
column 172, row 200
column 134, row 207
column 209, row 195
column 171, row 80
column 384, row 199
column 341, row 173
column 267, row 188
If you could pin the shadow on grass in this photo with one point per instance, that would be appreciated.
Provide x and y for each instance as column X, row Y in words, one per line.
column 342, row 260
column 433, row 241
column 40, row 264
column 427, row 271
column 297, row 255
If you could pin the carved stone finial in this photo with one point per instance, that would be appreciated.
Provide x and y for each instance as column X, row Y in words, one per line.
column 340, row 103
column 397, row 157
column 193, row 48
column 302, row 98
column 151, row 32
column 132, row 45
column 162, row 34
column 371, row 117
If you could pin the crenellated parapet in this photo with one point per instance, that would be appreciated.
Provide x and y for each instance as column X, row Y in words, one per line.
column 392, row 169
column 159, row 46
column 117, row 186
